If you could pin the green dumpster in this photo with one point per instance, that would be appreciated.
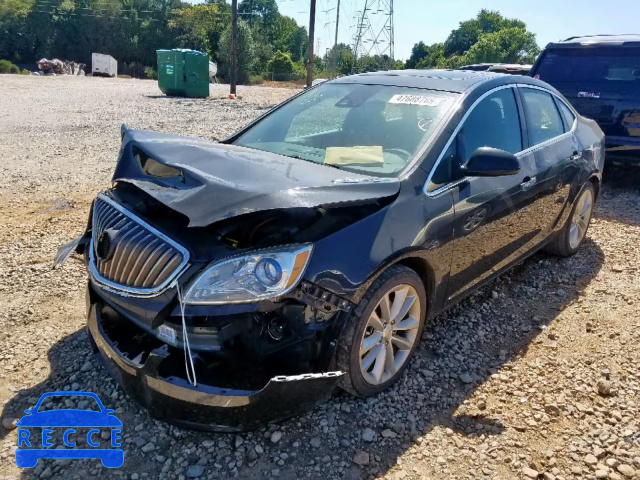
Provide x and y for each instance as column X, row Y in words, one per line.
column 183, row 73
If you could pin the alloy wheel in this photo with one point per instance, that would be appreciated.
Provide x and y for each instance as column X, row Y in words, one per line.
column 580, row 220
column 390, row 334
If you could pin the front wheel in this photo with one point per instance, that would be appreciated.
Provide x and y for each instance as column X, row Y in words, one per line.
column 569, row 239
column 376, row 346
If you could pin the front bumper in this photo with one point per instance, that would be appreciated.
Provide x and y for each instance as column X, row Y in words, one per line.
column 205, row 407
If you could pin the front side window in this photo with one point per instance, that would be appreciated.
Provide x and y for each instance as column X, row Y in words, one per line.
column 494, row 122
column 370, row 129
column 543, row 118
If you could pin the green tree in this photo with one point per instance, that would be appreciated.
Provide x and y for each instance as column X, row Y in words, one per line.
column 197, row 26
column 487, row 38
column 245, row 51
column 432, row 56
column 262, row 53
column 468, row 33
column 284, row 31
column 418, row 52
column 299, row 44
column 509, row 45
column 347, row 63
column 281, row 66
column 335, row 57
column 374, row 63
column 261, row 15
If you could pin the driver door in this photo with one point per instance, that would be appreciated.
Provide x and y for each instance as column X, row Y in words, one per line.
column 492, row 214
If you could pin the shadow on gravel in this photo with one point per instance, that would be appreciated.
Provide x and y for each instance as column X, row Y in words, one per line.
column 461, row 349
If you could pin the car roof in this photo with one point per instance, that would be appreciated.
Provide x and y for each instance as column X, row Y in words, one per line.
column 597, row 40
column 456, row 81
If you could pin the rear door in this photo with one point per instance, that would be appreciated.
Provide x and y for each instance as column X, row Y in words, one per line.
column 555, row 155
column 602, row 83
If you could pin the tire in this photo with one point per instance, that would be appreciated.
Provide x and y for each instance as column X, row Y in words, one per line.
column 562, row 244
column 361, row 381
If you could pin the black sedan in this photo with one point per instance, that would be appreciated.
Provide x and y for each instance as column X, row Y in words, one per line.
column 237, row 283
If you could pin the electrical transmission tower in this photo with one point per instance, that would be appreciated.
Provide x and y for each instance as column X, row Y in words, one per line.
column 375, row 29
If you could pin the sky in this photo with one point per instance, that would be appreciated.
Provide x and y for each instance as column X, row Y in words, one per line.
column 432, row 20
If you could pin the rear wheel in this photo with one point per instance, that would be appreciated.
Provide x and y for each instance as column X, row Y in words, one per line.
column 375, row 348
column 569, row 239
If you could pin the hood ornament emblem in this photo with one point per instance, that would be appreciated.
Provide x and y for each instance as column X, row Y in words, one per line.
column 106, row 244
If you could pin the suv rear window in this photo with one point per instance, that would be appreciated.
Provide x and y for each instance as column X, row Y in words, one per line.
column 590, row 65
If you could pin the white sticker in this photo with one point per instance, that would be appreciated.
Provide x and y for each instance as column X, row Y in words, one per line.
column 167, row 334
column 421, row 100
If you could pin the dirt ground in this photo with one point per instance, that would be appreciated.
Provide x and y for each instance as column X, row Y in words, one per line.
column 534, row 376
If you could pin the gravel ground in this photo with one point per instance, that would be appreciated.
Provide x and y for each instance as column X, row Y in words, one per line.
column 536, row 375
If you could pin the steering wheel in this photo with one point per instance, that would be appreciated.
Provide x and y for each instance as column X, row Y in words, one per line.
column 404, row 152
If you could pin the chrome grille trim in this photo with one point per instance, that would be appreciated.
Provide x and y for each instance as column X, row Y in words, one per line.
column 140, row 247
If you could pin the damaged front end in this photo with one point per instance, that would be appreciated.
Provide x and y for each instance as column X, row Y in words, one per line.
column 198, row 301
column 231, row 394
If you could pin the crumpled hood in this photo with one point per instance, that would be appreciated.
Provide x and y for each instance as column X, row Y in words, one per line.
column 217, row 181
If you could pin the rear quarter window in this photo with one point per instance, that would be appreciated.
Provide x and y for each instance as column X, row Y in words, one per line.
column 567, row 115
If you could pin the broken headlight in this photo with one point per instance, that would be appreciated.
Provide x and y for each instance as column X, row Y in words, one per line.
column 248, row 278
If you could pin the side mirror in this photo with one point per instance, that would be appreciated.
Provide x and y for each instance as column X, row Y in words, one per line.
column 491, row 162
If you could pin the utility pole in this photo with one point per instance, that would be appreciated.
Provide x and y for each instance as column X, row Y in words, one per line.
column 234, row 46
column 337, row 23
column 334, row 61
column 312, row 28
column 391, row 32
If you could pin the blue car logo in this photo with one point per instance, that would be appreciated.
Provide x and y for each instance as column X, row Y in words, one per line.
column 36, row 431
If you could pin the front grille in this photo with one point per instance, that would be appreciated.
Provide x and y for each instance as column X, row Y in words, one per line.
column 129, row 255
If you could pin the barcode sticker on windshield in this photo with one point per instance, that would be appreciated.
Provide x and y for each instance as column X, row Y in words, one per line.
column 421, row 100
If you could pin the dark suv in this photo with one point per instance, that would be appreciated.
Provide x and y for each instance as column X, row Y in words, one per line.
column 600, row 76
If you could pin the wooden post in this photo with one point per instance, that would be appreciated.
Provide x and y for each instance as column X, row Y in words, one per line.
column 312, row 28
column 234, row 46
column 337, row 23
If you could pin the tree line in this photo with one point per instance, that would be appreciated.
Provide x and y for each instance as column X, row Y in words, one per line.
column 270, row 45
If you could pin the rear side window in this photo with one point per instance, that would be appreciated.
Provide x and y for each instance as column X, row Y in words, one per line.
column 567, row 115
column 543, row 118
column 580, row 65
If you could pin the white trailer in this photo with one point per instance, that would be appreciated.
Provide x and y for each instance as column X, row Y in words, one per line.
column 213, row 71
column 103, row 65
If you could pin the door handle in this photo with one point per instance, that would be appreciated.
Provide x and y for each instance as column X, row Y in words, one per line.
column 527, row 183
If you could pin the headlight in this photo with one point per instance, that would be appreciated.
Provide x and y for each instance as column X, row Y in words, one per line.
column 249, row 278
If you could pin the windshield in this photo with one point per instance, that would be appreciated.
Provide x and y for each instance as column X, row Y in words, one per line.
column 370, row 129
column 591, row 65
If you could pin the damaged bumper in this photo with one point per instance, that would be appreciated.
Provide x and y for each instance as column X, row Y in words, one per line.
column 147, row 378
